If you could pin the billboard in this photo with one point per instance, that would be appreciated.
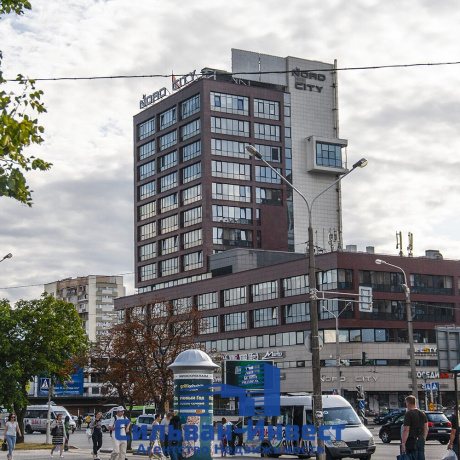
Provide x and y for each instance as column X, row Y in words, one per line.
column 74, row 386
column 250, row 375
column 448, row 345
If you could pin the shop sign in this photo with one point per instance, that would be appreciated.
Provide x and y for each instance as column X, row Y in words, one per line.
column 152, row 98
column 433, row 375
column 358, row 378
column 427, row 350
column 178, row 83
column 300, row 84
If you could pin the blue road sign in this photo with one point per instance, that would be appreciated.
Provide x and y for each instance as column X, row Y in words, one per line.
column 335, row 391
column 362, row 404
column 434, row 386
column 45, row 384
column 427, row 386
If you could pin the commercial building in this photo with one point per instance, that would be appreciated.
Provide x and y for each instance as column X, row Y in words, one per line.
column 260, row 310
column 218, row 231
column 197, row 192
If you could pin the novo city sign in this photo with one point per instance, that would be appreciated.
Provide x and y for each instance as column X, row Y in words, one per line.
column 309, row 76
column 177, row 83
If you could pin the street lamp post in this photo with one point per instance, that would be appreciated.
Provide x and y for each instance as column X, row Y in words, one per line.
column 8, row 256
column 314, row 316
column 410, row 330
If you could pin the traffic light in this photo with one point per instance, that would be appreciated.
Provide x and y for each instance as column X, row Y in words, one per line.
column 360, row 389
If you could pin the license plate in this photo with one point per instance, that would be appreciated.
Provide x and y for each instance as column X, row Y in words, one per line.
column 361, row 451
column 442, row 431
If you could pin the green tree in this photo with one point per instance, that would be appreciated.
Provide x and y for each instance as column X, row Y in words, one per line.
column 37, row 337
column 18, row 127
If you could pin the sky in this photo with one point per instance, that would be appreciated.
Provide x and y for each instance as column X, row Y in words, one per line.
column 404, row 120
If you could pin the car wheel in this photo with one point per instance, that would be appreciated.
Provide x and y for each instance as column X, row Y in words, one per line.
column 29, row 429
column 104, row 428
column 385, row 436
column 264, row 450
column 443, row 441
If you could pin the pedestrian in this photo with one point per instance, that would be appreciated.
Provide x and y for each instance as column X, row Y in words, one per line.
column 453, row 436
column 230, row 434
column 67, row 430
column 415, row 430
column 165, row 422
column 174, row 444
column 119, row 446
column 58, row 434
column 96, row 435
column 155, row 445
column 79, row 422
column 11, row 429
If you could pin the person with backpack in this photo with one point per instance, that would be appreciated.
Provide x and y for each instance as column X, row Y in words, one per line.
column 96, row 434
column 415, row 430
column 119, row 446
column 230, row 435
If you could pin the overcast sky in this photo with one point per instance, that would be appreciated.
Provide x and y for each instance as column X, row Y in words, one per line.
column 405, row 120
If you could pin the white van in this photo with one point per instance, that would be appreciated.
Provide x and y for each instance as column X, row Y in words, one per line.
column 36, row 417
column 356, row 441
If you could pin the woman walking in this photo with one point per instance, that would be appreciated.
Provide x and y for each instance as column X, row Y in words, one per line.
column 67, row 430
column 58, row 435
column 11, row 428
column 96, row 427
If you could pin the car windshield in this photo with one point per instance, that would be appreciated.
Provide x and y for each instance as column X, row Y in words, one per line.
column 340, row 416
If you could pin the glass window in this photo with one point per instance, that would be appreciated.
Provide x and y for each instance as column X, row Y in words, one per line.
column 230, row 126
column 297, row 313
column 231, row 214
column 192, row 239
column 169, row 266
column 236, row 171
column 329, row 155
column 192, row 194
column 296, row 285
column 209, row 325
column 168, row 182
column 168, row 224
column 431, row 284
column 264, row 291
column 168, row 140
column 168, row 161
column 267, row 132
column 265, row 174
column 190, row 129
column 146, row 170
column 368, row 335
column 147, row 251
column 147, row 231
column 226, row 148
column 191, row 173
column 269, row 153
column 231, row 192
column 192, row 261
column 146, row 150
column 168, row 202
column 192, row 216
column 147, row 190
column 266, row 109
column 191, row 151
column 208, row 301
column 146, row 129
column 265, row 317
column 146, row 211
column 190, row 106
column 229, row 103
column 235, row 296
column 168, row 118
column 169, row 245
column 235, row 321
column 269, row 196
column 147, row 272
column 232, row 237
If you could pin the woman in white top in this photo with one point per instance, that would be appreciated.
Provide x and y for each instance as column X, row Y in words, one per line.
column 11, row 428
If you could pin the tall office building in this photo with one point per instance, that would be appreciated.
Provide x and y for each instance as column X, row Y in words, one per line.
column 93, row 297
column 197, row 192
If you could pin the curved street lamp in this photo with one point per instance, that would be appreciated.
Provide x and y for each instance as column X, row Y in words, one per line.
column 8, row 256
column 410, row 330
column 314, row 316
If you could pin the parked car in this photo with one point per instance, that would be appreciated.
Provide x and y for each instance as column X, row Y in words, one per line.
column 439, row 428
column 145, row 420
column 388, row 416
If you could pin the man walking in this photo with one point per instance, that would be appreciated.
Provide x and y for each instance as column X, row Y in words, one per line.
column 415, row 431
column 119, row 446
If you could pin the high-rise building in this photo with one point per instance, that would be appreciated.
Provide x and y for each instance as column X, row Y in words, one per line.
column 197, row 192
column 93, row 297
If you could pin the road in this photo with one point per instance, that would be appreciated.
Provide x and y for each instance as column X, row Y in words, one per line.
column 434, row 450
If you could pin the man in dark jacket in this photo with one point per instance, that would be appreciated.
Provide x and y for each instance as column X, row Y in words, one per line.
column 415, row 431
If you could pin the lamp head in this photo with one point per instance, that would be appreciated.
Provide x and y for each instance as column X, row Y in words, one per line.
column 253, row 152
column 379, row 261
column 361, row 163
column 8, row 256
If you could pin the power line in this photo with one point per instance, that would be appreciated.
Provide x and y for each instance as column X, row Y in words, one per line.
column 209, row 72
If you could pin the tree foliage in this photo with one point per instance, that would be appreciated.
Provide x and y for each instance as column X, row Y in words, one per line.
column 37, row 337
column 18, row 127
column 133, row 359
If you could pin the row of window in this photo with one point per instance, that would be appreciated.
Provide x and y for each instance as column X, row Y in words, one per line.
column 292, row 338
column 237, row 149
column 171, row 266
